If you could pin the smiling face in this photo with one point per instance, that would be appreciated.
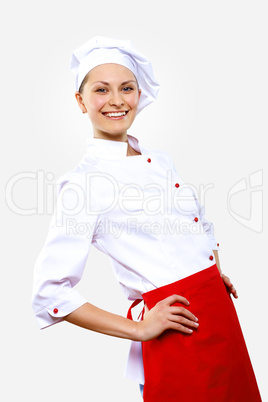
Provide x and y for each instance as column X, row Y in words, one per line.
column 110, row 97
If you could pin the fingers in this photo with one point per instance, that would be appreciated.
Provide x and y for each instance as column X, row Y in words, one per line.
column 178, row 317
column 181, row 311
column 175, row 299
column 229, row 285
column 234, row 292
column 181, row 328
column 169, row 302
column 181, row 318
column 183, row 322
column 168, row 313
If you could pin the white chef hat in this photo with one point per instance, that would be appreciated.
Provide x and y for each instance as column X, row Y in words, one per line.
column 101, row 50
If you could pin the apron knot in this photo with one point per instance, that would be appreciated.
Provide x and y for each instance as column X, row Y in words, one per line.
column 134, row 304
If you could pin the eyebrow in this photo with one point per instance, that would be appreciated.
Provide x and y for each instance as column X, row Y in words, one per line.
column 107, row 83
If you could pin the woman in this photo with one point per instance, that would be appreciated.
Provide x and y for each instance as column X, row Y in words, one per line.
column 188, row 345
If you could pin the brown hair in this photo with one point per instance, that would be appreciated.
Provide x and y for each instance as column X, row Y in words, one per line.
column 83, row 83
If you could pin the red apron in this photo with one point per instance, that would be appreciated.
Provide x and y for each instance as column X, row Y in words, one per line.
column 210, row 365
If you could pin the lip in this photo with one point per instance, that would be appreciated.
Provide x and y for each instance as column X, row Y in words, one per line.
column 115, row 111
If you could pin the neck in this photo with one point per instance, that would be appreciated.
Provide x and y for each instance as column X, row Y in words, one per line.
column 113, row 137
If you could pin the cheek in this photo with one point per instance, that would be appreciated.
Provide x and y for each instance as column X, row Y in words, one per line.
column 133, row 101
column 96, row 103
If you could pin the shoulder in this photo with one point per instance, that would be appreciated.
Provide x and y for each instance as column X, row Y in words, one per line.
column 78, row 174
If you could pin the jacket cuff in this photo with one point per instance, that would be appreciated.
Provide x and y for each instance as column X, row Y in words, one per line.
column 213, row 243
column 55, row 312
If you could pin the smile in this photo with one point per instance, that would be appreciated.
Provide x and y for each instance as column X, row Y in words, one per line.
column 115, row 114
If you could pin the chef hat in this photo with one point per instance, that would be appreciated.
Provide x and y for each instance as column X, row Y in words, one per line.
column 101, row 50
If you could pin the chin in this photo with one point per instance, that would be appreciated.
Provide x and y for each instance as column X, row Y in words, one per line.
column 116, row 130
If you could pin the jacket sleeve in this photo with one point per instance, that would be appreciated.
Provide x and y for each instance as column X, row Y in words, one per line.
column 60, row 264
column 207, row 226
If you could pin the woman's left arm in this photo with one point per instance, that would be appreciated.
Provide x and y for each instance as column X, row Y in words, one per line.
column 225, row 278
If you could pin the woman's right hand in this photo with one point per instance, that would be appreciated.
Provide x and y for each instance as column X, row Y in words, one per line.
column 165, row 316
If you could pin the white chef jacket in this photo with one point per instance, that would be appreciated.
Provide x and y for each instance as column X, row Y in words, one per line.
column 138, row 211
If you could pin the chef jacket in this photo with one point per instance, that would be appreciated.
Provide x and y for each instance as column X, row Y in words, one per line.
column 138, row 211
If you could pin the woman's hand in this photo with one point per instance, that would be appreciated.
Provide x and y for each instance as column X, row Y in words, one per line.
column 227, row 282
column 229, row 285
column 165, row 316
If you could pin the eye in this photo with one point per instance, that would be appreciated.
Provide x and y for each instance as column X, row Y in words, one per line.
column 101, row 90
column 128, row 89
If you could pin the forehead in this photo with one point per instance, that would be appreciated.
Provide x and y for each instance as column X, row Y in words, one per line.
column 110, row 72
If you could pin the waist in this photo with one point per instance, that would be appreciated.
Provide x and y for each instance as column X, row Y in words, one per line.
column 155, row 295
column 152, row 297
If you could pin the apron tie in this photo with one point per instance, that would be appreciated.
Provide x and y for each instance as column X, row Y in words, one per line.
column 134, row 304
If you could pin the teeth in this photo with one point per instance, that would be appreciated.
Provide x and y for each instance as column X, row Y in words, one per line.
column 115, row 114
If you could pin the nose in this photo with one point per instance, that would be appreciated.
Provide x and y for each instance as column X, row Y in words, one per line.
column 116, row 99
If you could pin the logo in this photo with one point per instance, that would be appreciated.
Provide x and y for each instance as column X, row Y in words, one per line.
column 247, row 192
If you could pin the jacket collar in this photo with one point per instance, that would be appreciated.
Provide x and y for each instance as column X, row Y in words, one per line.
column 112, row 149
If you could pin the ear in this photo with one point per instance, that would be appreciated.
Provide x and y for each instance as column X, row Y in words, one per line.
column 139, row 93
column 80, row 102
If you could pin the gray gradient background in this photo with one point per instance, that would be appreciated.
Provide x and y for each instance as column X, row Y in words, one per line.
column 211, row 116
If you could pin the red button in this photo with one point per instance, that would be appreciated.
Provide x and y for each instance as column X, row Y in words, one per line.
column 56, row 310
column 211, row 257
column 177, row 185
column 218, row 244
column 196, row 219
column 149, row 160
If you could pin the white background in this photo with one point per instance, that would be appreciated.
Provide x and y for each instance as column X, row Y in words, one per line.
column 210, row 58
